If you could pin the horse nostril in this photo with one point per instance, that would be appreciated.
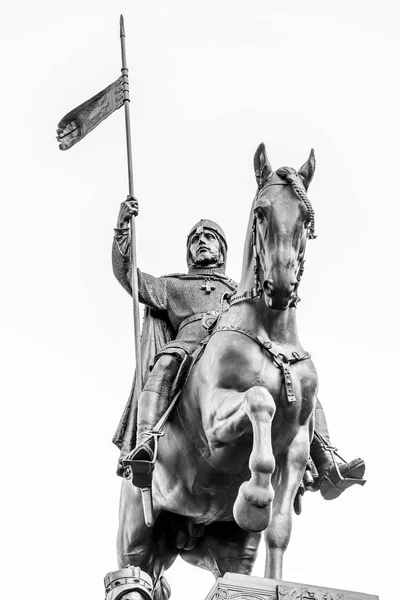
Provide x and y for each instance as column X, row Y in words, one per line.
column 268, row 287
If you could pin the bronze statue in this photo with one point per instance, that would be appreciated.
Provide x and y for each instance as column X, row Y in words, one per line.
column 232, row 457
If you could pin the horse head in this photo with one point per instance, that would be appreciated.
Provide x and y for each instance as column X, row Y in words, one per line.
column 282, row 220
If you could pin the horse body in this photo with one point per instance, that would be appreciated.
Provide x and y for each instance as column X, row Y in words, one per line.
column 236, row 448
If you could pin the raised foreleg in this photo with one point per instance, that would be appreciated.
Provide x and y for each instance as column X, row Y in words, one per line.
column 252, row 508
column 237, row 413
column 289, row 475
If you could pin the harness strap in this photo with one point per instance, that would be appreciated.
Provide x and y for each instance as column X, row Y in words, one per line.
column 280, row 360
column 248, row 295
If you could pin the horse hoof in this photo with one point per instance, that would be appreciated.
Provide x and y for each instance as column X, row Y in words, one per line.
column 252, row 517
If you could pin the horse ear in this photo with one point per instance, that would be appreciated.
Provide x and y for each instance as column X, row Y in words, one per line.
column 306, row 172
column 262, row 166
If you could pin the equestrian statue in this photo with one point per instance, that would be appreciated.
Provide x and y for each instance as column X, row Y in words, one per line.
column 228, row 432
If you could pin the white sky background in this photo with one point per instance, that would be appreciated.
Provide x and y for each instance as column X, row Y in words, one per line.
column 209, row 82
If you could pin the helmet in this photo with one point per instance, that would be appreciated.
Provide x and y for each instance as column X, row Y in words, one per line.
column 207, row 224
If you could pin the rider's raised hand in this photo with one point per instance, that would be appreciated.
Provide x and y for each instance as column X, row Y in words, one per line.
column 129, row 208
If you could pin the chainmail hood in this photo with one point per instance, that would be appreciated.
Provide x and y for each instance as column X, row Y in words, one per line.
column 207, row 224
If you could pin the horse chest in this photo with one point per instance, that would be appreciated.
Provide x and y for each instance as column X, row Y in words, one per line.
column 270, row 377
column 302, row 386
column 243, row 365
column 246, row 366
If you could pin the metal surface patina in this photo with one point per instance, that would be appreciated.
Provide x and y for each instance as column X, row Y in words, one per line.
column 227, row 432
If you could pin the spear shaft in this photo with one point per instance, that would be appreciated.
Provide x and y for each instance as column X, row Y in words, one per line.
column 134, row 279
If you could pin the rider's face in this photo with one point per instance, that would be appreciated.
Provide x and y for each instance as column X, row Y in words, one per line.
column 204, row 248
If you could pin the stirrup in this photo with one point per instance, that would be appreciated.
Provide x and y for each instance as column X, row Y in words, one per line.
column 141, row 472
column 130, row 579
column 150, row 435
column 140, row 469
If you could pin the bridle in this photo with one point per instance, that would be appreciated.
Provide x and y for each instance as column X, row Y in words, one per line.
column 288, row 177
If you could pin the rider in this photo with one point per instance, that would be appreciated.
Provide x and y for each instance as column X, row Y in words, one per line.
column 183, row 299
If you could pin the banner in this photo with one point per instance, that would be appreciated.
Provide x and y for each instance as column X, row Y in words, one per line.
column 84, row 118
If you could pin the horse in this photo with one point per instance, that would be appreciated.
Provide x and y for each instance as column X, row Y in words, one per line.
column 237, row 443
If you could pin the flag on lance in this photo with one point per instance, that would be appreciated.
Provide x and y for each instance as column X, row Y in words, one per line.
column 84, row 118
column 76, row 125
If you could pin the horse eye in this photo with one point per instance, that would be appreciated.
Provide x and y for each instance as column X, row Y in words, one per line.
column 260, row 216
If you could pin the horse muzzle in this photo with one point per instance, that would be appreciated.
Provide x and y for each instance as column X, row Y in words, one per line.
column 279, row 296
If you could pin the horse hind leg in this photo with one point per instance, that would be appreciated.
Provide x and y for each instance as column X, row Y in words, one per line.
column 224, row 547
column 152, row 549
column 253, row 505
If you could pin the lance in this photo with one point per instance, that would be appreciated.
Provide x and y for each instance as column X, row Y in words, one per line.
column 134, row 279
column 147, row 499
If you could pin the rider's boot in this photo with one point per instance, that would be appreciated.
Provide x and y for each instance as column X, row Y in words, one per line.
column 130, row 583
column 335, row 474
column 153, row 402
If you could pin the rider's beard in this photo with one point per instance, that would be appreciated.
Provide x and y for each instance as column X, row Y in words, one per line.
column 207, row 259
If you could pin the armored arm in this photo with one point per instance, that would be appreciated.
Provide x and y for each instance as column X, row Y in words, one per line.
column 152, row 290
column 121, row 260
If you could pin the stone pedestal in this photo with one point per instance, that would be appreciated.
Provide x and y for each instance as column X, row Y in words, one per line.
column 243, row 587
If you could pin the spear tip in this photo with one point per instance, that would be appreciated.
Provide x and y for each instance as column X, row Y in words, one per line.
column 121, row 25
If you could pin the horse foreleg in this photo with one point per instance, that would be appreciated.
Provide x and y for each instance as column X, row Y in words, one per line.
column 291, row 470
column 252, row 508
column 229, row 421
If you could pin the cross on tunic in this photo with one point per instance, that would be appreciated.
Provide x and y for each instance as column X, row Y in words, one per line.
column 207, row 287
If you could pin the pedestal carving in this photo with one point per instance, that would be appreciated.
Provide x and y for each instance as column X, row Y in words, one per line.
column 244, row 587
